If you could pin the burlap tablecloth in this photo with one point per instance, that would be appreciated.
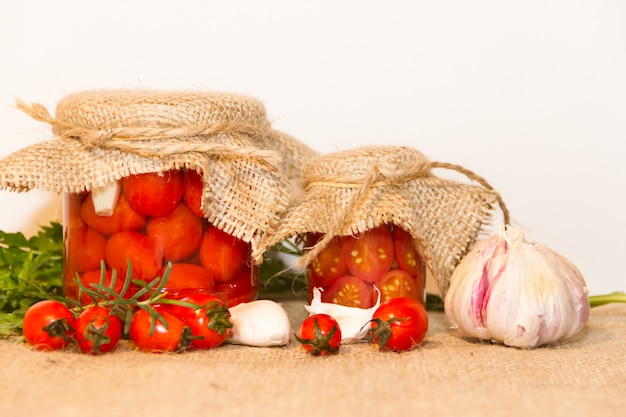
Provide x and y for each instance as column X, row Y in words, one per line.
column 447, row 376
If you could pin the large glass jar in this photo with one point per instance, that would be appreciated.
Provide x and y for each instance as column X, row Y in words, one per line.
column 350, row 268
column 151, row 221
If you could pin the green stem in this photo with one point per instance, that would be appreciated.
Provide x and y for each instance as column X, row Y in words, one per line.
column 614, row 297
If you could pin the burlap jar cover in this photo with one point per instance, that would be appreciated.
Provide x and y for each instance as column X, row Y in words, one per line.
column 352, row 191
column 102, row 136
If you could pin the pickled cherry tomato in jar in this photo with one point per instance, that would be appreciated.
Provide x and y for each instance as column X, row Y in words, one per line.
column 151, row 220
column 354, row 270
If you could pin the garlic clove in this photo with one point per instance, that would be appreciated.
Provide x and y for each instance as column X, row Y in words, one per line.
column 466, row 313
column 262, row 323
column 105, row 198
column 352, row 320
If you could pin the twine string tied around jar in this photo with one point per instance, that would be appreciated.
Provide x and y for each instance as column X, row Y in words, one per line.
column 383, row 175
column 157, row 142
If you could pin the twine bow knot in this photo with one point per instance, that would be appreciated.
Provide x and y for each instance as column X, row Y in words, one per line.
column 382, row 175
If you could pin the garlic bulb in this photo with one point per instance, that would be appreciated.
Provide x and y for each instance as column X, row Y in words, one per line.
column 519, row 293
column 261, row 323
column 352, row 320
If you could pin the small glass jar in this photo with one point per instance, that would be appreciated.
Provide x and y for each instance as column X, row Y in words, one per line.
column 153, row 220
column 350, row 268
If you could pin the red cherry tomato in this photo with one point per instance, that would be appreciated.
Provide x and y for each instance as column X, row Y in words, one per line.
column 396, row 283
column 349, row 291
column 222, row 254
column 124, row 218
column 153, row 194
column 319, row 335
column 98, row 330
column 85, row 249
column 155, row 335
column 48, row 325
column 189, row 276
column 192, row 191
column 177, row 233
column 407, row 257
column 209, row 324
column 94, row 277
column 369, row 255
column 241, row 289
column 399, row 324
column 142, row 252
column 329, row 264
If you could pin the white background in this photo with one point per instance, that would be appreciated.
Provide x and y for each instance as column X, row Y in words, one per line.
column 529, row 94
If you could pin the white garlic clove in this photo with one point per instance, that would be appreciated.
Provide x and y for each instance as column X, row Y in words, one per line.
column 485, row 263
column 519, row 293
column 262, row 323
column 105, row 198
column 352, row 320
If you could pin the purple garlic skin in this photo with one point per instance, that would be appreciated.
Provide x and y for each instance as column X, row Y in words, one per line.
column 516, row 292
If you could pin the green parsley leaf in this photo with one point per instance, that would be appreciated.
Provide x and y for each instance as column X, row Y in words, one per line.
column 30, row 270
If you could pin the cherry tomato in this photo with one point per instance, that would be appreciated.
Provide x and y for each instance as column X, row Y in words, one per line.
column 241, row 289
column 399, row 324
column 124, row 218
column 349, row 291
column 94, row 277
column 407, row 257
column 369, row 255
column 143, row 253
column 192, row 191
column 189, row 276
column 153, row 194
column 396, row 283
column 319, row 335
column 209, row 325
column 329, row 264
column 85, row 249
column 222, row 254
column 48, row 325
column 98, row 330
column 177, row 233
column 154, row 335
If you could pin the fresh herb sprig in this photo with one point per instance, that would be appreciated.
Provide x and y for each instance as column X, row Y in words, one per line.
column 124, row 304
column 276, row 275
column 31, row 269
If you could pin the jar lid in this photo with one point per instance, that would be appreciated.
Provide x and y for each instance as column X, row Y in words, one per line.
column 153, row 109
column 105, row 135
column 349, row 192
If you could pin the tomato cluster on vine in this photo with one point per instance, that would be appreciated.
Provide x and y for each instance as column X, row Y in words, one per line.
column 191, row 320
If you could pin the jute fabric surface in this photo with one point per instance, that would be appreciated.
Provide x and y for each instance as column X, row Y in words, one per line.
column 249, row 169
column 446, row 376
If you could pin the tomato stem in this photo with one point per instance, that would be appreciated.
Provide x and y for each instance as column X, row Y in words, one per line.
column 381, row 332
column 59, row 328
column 321, row 343
column 97, row 335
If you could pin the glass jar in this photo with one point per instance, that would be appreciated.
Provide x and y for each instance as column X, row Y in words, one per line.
column 150, row 221
column 349, row 268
